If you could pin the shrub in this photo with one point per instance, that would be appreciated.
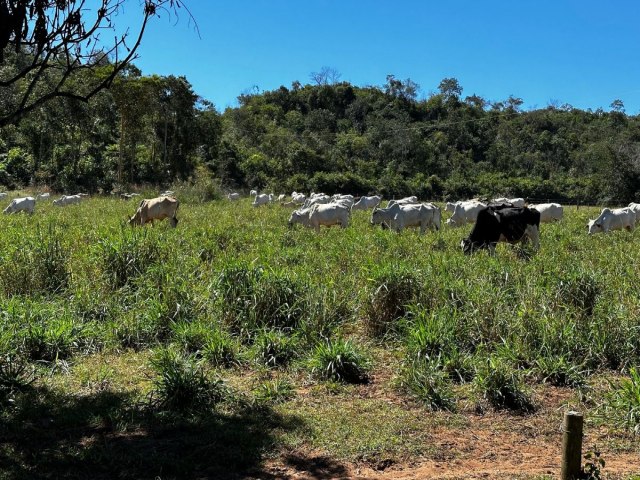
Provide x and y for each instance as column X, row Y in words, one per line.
column 181, row 384
column 339, row 360
column 502, row 386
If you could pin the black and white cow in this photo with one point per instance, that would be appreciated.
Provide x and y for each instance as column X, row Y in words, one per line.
column 503, row 224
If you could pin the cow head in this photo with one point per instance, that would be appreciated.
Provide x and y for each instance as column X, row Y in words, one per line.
column 594, row 227
column 136, row 219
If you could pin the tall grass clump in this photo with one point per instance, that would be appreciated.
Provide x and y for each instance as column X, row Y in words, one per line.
column 15, row 376
column 221, row 350
column 181, row 384
column 252, row 299
column 339, row 360
column 429, row 384
column 274, row 348
column 129, row 255
column 392, row 290
column 581, row 291
column 623, row 402
column 502, row 386
column 36, row 265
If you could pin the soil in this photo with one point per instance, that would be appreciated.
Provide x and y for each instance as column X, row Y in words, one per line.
column 494, row 446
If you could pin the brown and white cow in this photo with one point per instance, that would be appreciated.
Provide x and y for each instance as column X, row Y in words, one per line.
column 156, row 209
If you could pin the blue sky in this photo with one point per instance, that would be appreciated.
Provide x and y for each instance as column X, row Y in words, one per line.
column 585, row 53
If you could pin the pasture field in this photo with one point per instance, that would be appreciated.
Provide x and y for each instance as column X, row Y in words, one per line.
column 234, row 346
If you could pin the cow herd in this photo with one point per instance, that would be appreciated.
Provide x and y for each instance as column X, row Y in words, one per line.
column 499, row 220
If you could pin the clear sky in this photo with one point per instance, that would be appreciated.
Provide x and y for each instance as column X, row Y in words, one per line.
column 582, row 52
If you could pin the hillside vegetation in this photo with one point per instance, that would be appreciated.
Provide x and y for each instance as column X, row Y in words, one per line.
column 331, row 137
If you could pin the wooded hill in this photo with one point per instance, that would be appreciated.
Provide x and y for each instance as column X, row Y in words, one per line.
column 331, row 137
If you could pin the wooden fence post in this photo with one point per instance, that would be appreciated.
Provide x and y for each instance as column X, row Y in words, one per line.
column 572, row 446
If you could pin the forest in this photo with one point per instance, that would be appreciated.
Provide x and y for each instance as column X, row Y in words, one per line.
column 324, row 135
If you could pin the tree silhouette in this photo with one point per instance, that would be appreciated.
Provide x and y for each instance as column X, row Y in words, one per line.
column 54, row 48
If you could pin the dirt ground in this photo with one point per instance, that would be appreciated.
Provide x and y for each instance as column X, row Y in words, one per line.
column 495, row 446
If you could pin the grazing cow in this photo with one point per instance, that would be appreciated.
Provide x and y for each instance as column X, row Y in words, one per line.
column 328, row 214
column 298, row 198
column 25, row 204
column 400, row 217
column 420, row 215
column 516, row 202
column 43, row 196
column 253, row 193
column 65, row 200
column 549, row 212
column 403, row 201
column 613, row 220
column 233, row 196
column 365, row 203
column 465, row 212
column 315, row 199
column 129, row 196
column 635, row 207
column 281, row 197
column 300, row 216
column 503, row 224
column 156, row 209
column 262, row 199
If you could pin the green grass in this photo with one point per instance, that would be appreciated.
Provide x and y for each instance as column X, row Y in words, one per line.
column 233, row 290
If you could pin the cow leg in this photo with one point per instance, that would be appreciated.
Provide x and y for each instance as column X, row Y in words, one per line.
column 532, row 232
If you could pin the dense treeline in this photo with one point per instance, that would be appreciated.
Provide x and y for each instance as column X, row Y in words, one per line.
column 329, row 137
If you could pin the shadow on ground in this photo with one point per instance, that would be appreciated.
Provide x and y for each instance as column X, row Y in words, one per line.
column 106, row 435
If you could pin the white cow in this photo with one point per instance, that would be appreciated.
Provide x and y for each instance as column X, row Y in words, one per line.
column 67, row 200
column 366, row 203
column 399, row 217
column 281, row 197
column 465, row 212
column 300, row 216
column 549, row 212
column 25, row 204
column 43, row 196
column 516, row 202
column 404, row 201
column 316, row 200
column 233, row 196
column 328, row 214
column 167, row 193
column 262, row 199
column 635, row 207
column 613, row 220
column 3, row 194
column 298, row 198
column 253, row 193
